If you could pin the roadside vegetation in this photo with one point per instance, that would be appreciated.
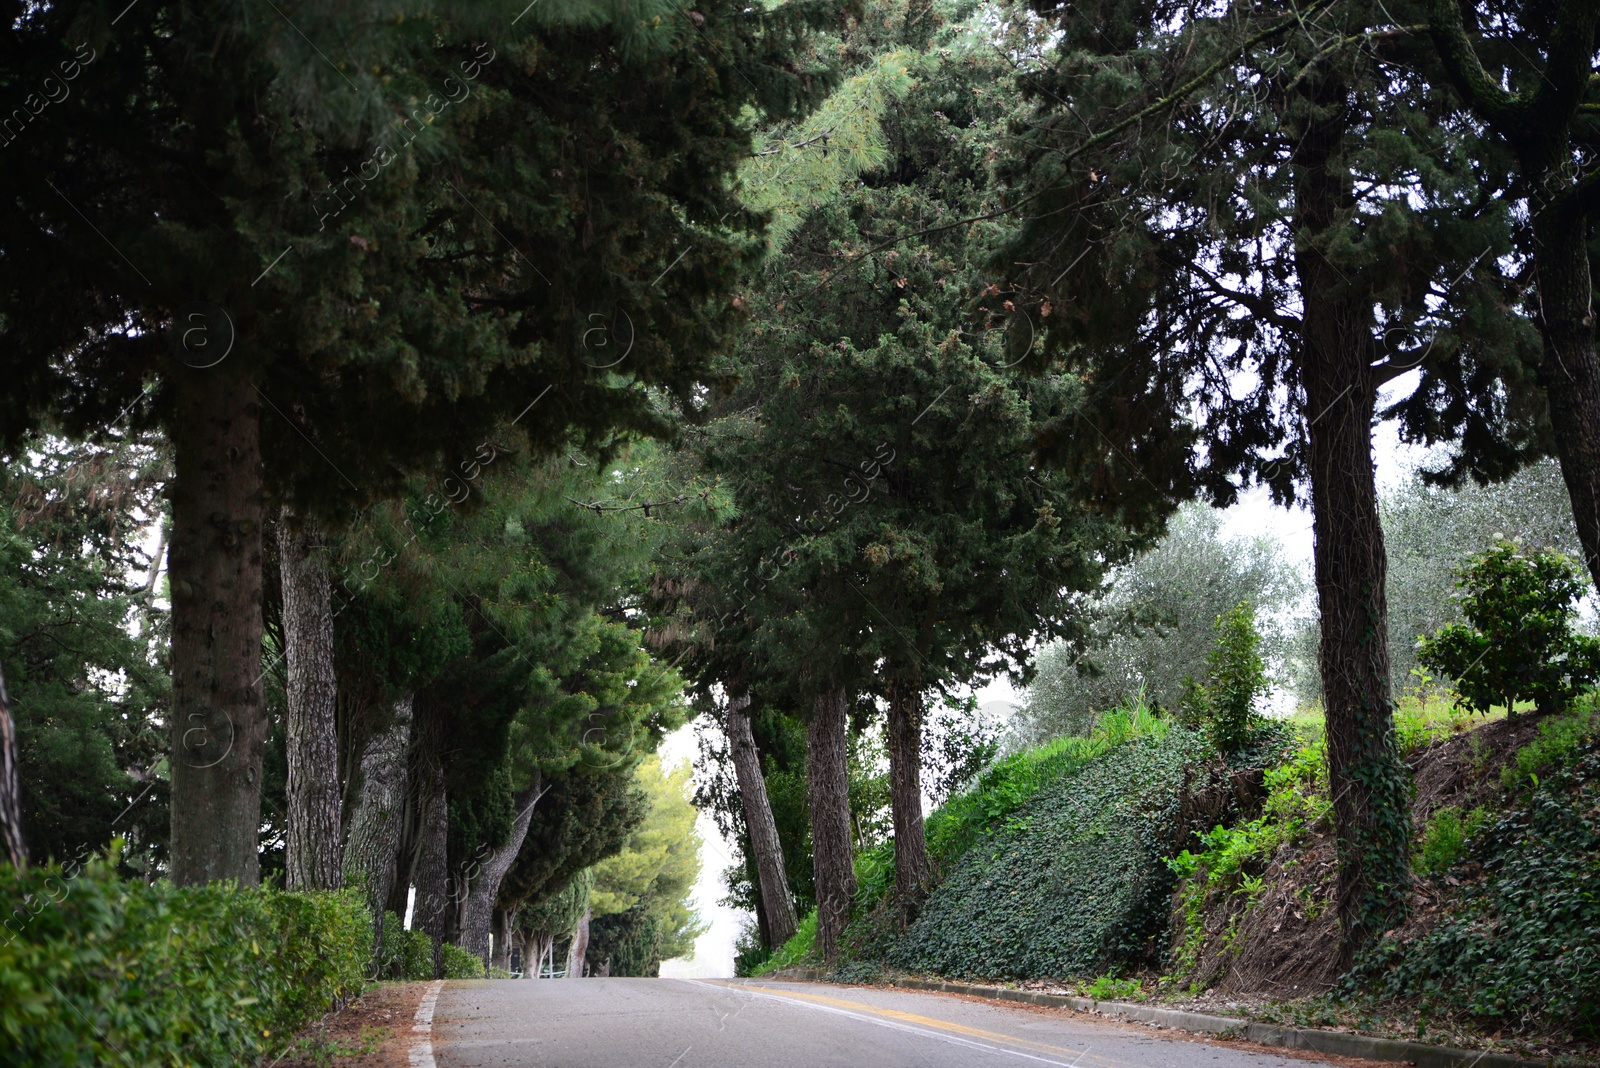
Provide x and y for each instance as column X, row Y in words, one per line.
column 1188, row 854
column 416, row 413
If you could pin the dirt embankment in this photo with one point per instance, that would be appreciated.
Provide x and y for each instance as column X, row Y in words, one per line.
column 1286, row 945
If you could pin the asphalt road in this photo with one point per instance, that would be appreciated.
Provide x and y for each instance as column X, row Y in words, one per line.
column 687, row 1023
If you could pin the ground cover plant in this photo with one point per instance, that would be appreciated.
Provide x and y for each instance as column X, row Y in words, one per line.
column 1520, row 950
column 1074, row 879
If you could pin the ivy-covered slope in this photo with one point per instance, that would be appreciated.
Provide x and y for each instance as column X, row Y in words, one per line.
column 1520, row 946
column 1075, row 881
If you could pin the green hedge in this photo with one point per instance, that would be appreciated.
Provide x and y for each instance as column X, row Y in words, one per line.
column 96, row 970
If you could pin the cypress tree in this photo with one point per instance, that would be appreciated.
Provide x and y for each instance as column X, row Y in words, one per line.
column 1274, row 220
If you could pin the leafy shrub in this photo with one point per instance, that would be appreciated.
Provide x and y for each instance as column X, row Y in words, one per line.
column 748, row 951
column 1517, row 642
column 1445, row 840
column 801, row 949
column 406, row 954
column 1523, row 949
column 114, row 972
column 460, row 964
column 1236, row 681
column 1073, row 881
column 496, row 972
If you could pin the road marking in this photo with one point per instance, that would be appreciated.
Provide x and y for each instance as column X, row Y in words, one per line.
column 926, row 1026
column 421, row 1052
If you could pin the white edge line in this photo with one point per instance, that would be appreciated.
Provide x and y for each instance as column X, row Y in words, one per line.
column 893, row 1025
column 421, row 1052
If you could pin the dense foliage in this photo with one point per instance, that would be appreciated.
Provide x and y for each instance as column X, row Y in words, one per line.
column 1517, row 643
column 98, row 970
column 1152, row 625
column 1073, row 881
column 1520, row 951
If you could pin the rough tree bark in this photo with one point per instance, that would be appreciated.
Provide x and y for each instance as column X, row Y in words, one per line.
column 372, row 851
column 500, row 931
column 1365, row 774
column 828, row 790
column 431, row 910
column 579, row 947
column 312, row 839
column 912, row 871
column 219, row 721
column 484, row 881
column 1570, row 370
column 777, row 906
column 10, row 789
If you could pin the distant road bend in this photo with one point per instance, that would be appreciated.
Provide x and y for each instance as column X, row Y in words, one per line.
column 691, row 1023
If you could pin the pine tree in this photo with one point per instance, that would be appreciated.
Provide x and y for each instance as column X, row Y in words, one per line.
column 264, row 265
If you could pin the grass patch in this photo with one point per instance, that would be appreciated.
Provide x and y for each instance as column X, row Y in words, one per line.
column 799, row 950
column 1559, row 736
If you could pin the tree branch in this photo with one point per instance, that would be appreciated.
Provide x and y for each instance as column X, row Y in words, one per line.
column 1171, row 100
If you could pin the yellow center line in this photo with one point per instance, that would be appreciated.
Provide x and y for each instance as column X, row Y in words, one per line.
column 929, row 1021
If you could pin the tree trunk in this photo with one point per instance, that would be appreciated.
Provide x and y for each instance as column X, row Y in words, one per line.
column 10, row 788
column 372, row 852
column 776, row 905
column 828, row 787
column 1365, row 774
column 579, row 947
column 311, row 847
column 431, row 910
column 912, row 872
column 542, row 944
column 219, row 721
column 500, row 932
column 1570, row 371
column 485, row 877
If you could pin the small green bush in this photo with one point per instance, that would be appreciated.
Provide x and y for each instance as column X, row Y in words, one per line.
column 97, row 970
column 1517, row 643
column 406, row 954
column 1109, row 988
column 1236, row 681
column 460, row 964
column 1445, row 840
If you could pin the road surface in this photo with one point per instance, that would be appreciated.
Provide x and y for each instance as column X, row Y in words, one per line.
column 688, row 1023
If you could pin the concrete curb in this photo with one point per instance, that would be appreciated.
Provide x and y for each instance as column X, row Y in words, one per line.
column 1338, row 1043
